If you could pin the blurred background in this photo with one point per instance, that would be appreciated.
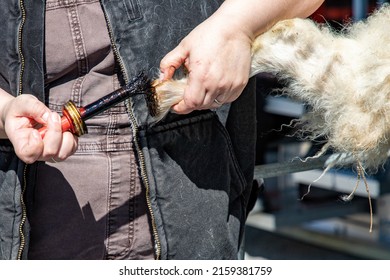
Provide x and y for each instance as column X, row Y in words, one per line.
column 322, row 225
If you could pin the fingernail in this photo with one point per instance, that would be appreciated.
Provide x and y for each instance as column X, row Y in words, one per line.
column 55, row 117
column 162, row 76
column 45, row 116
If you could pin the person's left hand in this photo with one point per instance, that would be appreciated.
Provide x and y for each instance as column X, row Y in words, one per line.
column 217, row 55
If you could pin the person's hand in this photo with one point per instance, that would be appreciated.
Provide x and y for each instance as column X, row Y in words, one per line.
column 217, row 56
column 21, row 116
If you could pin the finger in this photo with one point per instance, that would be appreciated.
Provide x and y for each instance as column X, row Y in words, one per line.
column 68, row 146
column 217, row 102
column 29, row 106
column 53, row 137
column 167, row 73
column 194, row 95
column 28, row 145
column 216, row 95
column 172, row 61
column 181, row 108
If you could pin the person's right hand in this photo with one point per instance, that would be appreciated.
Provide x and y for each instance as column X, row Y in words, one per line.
column 20, row 118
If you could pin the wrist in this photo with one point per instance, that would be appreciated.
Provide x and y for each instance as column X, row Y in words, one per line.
column 232, row 15
column 5, row 100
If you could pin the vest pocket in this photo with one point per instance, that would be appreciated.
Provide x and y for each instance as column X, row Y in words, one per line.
column 196, row 188
column 133, row 9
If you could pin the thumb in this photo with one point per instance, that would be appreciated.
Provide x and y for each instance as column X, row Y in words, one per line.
column 172, row 61
column 25, row 112
column 29, row 106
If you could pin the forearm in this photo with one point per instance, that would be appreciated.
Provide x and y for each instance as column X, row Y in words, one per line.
column 256, row 16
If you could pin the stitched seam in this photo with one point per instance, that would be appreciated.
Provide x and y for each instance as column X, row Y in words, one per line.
column 132, row 202
column 80, row 51
column 108, row 220
column 56, row 4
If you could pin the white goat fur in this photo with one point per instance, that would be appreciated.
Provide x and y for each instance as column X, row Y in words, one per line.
column 344, row 77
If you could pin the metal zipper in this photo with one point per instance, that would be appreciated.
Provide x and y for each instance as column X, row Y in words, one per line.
column 20, row 52
column 141, row 156
column 24, row 215
column 145, row 180
column 20, row 91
